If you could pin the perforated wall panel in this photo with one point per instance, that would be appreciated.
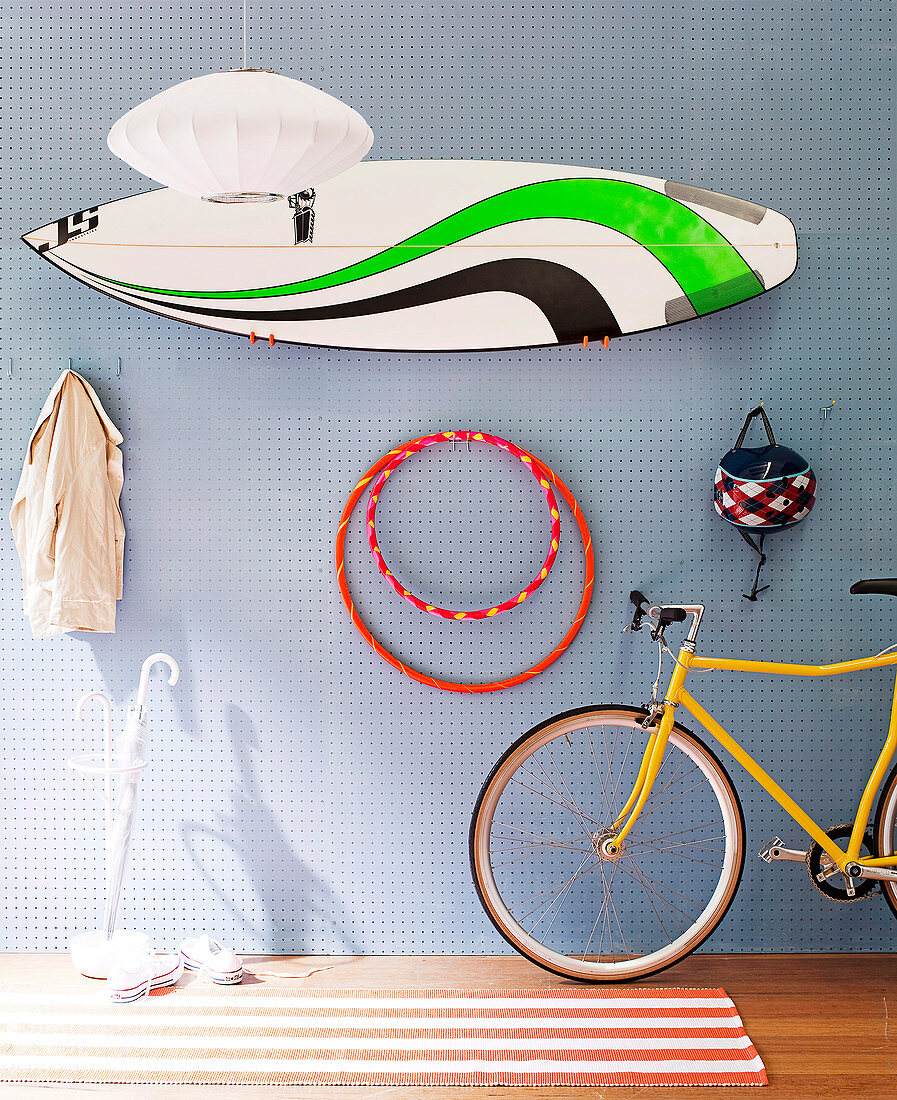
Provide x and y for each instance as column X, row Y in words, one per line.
column 302, row 795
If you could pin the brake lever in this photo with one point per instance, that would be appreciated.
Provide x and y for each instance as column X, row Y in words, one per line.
column 642, row 603
column 666, row 616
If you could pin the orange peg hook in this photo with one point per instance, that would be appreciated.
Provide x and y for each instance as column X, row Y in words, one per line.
column 252, row 338
column 585, row 341
column 270, row 339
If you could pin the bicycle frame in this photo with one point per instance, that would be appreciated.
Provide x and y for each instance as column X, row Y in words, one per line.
column 676, row 694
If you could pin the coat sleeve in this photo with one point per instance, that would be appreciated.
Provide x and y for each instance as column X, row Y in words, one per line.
column 87, row 582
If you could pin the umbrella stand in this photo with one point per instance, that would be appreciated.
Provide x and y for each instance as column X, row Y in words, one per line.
column 93, row 952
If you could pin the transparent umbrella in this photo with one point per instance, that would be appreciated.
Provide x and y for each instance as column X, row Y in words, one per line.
column 130, row 755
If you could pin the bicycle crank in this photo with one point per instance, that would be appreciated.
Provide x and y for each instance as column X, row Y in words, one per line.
column 776, row 849
column 827, row 877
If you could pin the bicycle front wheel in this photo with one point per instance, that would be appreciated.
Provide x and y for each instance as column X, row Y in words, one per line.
column 535, row 847
column 886, row 832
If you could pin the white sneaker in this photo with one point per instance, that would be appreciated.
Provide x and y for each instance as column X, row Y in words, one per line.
column 131, row 978
column 221, row 964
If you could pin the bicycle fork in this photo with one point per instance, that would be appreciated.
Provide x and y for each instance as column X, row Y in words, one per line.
column 652, row 758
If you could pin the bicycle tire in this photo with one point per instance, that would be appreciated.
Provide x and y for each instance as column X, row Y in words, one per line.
column 885, row 832
column 525, row 850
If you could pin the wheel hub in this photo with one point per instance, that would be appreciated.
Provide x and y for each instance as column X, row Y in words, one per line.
column 607, row 848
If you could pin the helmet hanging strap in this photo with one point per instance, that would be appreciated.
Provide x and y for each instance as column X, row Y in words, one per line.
column 759, row 549
column 761, row 412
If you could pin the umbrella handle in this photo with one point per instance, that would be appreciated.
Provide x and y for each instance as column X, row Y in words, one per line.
column 145, row 671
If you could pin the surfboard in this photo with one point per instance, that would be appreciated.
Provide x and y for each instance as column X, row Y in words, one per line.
column 433, row 256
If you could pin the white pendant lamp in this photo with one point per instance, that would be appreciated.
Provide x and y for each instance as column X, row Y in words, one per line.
column 241, row 136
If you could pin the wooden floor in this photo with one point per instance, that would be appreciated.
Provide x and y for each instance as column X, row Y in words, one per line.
column 821, row 1023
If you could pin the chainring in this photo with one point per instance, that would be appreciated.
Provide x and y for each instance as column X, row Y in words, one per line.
column 835, row 888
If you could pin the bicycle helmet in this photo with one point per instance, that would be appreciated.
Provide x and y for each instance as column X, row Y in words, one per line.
column 762, row 489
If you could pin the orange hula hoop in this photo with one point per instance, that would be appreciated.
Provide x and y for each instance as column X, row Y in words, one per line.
column 432, row 681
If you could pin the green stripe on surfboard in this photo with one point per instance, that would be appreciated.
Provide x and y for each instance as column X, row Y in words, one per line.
column 710, row 271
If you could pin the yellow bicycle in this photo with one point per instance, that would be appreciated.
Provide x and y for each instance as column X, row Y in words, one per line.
column 608, row 842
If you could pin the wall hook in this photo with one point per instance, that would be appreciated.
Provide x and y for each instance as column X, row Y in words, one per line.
column 9, row 370
column 454, row 439
column 118, row 368
column 826, row 409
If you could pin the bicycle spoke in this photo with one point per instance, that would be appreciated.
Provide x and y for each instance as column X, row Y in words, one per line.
column 560, row 903
column 609, row 757
column 532, row 844
column 559, row 893
column 559, row 800
column 659, row 805
column 707, row 847
column 603, row 918
column 620, row 775
column 583, row 816
column 609, row 904
column 648, row 883
column 528, row 853
column 679, row 832
column 598, row 772
column 520, row 845
column 656, row 801
column 552, row 892
column 517, row 829
column 714, row 863
column 650, row 894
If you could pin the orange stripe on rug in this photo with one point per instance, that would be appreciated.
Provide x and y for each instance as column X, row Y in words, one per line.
column 273, row 1035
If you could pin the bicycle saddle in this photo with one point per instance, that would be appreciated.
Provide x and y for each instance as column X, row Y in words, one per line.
column 884, row 587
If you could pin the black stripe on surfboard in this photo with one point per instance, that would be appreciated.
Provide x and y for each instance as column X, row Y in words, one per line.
column 570, row 303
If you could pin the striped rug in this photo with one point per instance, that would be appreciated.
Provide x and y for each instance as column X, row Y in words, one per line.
column 263, row 1035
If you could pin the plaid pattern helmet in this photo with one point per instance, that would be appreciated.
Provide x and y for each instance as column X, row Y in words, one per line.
column 763, row 488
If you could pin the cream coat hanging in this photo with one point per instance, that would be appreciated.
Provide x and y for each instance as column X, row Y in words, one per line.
column 66, row 519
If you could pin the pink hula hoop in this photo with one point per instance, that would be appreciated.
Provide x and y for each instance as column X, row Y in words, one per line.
column 463, row 437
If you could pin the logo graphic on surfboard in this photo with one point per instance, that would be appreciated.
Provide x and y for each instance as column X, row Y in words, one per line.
column 433, row 256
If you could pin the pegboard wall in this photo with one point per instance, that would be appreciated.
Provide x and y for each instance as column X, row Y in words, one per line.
column 302, row 795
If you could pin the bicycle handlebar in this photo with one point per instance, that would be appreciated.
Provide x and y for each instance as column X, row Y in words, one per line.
column 664, row 616
column 667, row 615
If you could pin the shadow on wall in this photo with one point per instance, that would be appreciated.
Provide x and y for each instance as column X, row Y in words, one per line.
column 289, row 892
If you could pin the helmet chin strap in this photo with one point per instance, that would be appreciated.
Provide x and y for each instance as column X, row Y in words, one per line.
column 759, row 549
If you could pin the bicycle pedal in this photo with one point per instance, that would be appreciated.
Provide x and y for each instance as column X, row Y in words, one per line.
column 774, row 846
column 776, row 849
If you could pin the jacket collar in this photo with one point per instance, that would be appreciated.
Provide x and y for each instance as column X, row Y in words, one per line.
column 112, row 432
